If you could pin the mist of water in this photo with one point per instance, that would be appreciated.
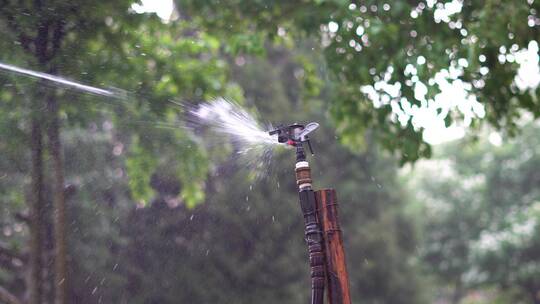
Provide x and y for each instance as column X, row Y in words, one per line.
column 226, row 119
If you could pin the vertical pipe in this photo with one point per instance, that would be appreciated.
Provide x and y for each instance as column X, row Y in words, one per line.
column 313, row 234
column 336, row 268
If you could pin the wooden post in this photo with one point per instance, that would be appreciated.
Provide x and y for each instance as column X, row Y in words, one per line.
column 336, row 270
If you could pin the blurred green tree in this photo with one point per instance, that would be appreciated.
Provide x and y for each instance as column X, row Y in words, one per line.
column 478, row 205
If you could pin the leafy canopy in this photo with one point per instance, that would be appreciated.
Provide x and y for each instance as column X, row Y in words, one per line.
column 389, row 60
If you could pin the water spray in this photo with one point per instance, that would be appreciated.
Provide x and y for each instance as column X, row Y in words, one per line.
column 62, row 81
column 322, row 232
column 226, row 118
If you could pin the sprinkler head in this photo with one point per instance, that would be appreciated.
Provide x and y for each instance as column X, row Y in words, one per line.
column 295, row 135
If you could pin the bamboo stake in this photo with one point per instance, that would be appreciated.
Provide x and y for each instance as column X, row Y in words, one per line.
column 336, row 269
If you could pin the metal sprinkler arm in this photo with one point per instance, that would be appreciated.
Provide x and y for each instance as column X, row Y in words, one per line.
column 310, row 147
column 295, row 135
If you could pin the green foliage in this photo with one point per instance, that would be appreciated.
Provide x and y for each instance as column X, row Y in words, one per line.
column 138, row 164
column 373, row 42
column 164, row 62
column 192, row 170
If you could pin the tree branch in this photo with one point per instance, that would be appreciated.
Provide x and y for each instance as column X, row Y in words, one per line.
column 8, row 297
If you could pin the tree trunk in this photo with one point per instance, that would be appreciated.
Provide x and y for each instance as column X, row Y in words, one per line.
column 48, row 255
column 59, row 203
column 36, row 214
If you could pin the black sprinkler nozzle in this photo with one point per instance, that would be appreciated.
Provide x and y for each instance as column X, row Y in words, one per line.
column 295, row 135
